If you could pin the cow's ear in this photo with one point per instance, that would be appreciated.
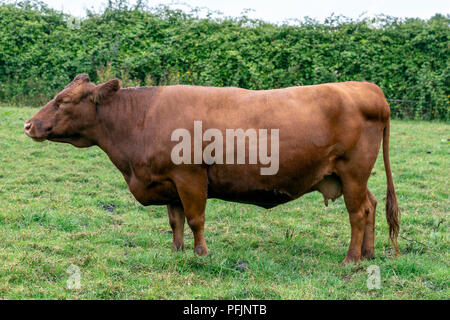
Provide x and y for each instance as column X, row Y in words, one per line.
column 104, row 91
column 82, row 77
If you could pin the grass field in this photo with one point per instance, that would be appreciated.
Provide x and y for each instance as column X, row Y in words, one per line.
column 60, row 205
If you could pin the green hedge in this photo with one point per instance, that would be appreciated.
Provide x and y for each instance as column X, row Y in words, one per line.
column 41, row 52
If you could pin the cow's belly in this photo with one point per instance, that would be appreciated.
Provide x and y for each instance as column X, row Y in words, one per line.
column 245, row 184
column 263, row 198
column 329, row 185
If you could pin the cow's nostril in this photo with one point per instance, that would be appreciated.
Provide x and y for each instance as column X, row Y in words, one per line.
column 27, row 126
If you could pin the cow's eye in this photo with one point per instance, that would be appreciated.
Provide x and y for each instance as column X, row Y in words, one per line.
column 66, row 102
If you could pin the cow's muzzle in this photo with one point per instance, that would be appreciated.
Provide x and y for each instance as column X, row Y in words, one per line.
column 36, row 131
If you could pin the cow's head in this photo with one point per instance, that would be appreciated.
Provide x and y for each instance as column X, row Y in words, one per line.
column 71, row 116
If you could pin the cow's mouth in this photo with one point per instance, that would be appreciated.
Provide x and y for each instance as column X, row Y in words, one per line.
column 37, row 139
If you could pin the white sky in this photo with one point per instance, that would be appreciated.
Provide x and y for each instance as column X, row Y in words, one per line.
column 279, row 10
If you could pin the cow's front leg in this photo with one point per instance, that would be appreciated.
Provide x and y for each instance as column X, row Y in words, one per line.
column 176, row 220
column 192, row 188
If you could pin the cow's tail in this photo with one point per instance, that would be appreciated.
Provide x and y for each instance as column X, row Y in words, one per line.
column 392, row 211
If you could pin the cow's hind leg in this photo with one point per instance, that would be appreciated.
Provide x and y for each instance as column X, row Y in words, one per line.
column 368, row 246
column 176, row 220
column 354, row 170
column 357, row 203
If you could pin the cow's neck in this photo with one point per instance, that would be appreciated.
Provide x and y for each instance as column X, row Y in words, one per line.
column 121, row 126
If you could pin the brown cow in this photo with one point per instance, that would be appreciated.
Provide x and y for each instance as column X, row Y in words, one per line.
column 329, row 138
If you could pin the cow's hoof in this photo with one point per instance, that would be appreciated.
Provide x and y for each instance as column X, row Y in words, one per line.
column 368, row 255
column 349, row 260
column 176, row 247
column 201, row 251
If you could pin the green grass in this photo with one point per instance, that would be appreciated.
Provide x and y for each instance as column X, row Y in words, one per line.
column 53, row 213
